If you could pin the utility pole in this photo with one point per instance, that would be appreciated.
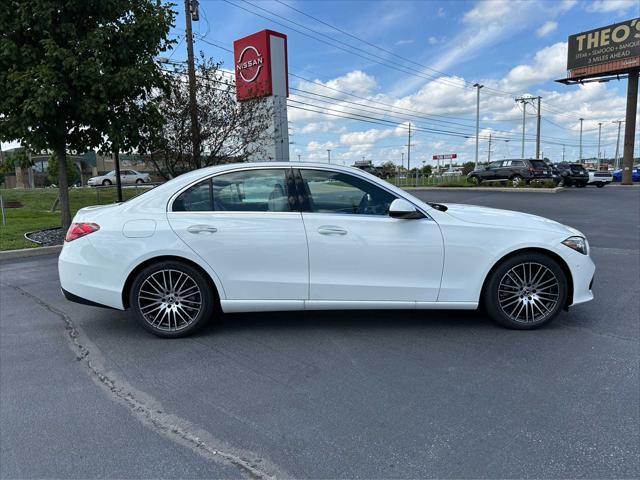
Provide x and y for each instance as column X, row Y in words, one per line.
column 538, row 130
column 402, row 161
column 478, row 87
column 630, row 127
column 191, row 13
column 524, row 101
column 329, row 155
column 299, row 158
column 619, row 122
column 488, row 153
column 409, row 150
column 563, row 152
column 599, row 135
column 581, row 120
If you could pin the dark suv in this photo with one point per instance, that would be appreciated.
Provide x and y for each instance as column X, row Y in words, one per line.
column 573, row 174
column 520, row 170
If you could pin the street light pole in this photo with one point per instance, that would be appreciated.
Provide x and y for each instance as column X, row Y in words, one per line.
column 329, row 155
column 599, row 135
column 523, row 101
column 538, row 130
column 478, row 87
column 619, row 122
column 581, row 139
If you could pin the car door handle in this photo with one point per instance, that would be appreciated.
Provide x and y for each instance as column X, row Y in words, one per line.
column 331, row 230
column 201, row 229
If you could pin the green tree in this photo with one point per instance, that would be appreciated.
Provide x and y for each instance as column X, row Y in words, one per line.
column 427, row 170
column 67, row 67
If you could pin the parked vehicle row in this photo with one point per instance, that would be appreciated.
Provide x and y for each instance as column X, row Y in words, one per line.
column 565, row 174
column 281, row 236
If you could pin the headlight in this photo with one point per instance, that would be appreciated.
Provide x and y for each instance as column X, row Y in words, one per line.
column 579, row 244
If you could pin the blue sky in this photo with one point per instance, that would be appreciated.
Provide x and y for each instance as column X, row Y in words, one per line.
column 439, row 49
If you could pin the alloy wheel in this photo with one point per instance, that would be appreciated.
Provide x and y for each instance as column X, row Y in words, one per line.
column 529, row 292
column 169, row 300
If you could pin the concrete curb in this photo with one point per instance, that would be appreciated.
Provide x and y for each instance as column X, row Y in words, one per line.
column 30, row 252
column 491, row 189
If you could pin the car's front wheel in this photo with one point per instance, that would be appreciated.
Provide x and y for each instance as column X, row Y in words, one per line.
column 526, row 291
column 172, row 299
column 139, row 181
column 517, row 180
column 475, row 180
column 600, row 184
column 106, row 183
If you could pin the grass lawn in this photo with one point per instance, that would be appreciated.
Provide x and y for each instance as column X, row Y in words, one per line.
column 36, row 214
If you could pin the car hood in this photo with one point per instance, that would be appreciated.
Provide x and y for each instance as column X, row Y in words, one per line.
column 507, row 218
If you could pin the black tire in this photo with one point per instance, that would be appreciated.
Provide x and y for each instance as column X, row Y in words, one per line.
column 475, row 180
column 498, row 297
column 600, row 184
column 581, row 185
column 516, row 180
column 171, row 300
column 106, row 183
column 139, row 181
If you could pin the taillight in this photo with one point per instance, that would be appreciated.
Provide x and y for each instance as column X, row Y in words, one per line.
column 77, row 230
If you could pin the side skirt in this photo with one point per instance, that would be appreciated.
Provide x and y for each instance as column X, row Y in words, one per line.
column 231, row 306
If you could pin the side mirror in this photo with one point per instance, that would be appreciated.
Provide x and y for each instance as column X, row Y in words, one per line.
column 400, row 208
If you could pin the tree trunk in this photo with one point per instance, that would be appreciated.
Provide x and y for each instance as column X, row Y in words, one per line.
column 63, row 185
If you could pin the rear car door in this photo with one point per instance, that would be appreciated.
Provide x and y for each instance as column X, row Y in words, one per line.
column 357, row 252
column 246, row 226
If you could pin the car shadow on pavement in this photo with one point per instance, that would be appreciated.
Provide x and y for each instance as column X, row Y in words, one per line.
column 350, row 319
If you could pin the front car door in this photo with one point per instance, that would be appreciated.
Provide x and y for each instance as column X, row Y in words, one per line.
column 492, row 171
column 246, row 226
column 357, row 252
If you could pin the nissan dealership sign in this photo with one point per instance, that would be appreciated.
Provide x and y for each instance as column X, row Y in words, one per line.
column 260, row 65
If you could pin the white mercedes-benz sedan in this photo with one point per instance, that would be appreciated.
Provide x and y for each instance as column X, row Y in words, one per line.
column 299, row 236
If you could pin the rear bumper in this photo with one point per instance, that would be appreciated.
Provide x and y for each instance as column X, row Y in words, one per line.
column 76, row 299
column 85, row 275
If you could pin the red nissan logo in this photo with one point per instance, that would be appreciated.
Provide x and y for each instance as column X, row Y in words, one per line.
column 249, row 64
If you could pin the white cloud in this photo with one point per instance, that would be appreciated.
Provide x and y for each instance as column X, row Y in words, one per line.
column 435, row 40
column 547, row 28
column 441, row 12
column 550, row 63
column 365, row 138
column 403, row 42
column 619, row 6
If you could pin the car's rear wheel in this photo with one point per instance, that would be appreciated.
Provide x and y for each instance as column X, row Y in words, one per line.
column 581, row 185
column 526, row 291
column 600, row 184
column 172, row 299
column 106, row 183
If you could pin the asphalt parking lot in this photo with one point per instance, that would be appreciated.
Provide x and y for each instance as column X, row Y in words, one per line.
column 86, row 393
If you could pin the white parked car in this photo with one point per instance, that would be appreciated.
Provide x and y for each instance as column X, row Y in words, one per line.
column 281, row 236
column 127, row 177
column 599, row 178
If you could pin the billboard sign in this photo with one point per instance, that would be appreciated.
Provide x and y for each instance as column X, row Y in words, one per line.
column 605, row 50
column 448, row 156
column 260, row 62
